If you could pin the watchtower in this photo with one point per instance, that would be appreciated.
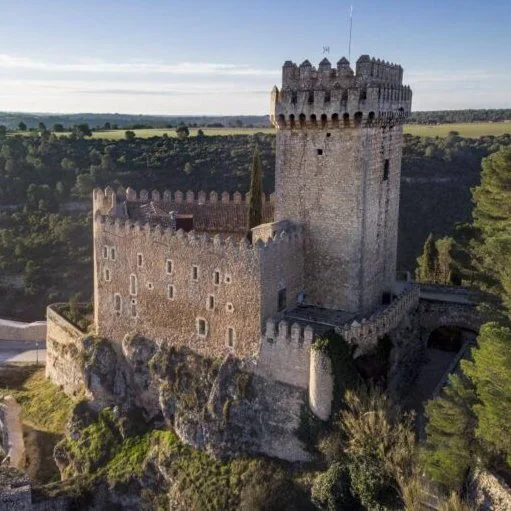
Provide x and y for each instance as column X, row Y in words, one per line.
column 339, row 149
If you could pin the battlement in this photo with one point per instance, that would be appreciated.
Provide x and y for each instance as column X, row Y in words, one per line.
column 120, row 226
column 109, row 199
column 285, row 352
column 338, row 97
column 365, row 334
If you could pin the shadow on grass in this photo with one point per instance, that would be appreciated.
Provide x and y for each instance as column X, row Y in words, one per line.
column 39, row 447
column 14, row 376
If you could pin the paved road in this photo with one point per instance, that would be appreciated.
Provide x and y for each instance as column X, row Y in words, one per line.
column 22, row 351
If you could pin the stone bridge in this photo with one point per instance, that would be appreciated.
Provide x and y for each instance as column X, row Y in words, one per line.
column 447, row 306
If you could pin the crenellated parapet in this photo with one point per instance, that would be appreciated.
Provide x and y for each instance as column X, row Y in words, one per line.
column 110, row 198
column 364, row 334
column 285, row 352
column 338, row 97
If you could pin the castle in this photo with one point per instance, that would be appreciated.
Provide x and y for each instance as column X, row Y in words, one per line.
column 178, row 268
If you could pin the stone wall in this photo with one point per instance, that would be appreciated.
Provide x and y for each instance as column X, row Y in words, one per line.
column 11, row 431
column 162, row 283
column 285, row 353
column 321, row 384
column 64, row 353
column 18, row 331
column 366, row 333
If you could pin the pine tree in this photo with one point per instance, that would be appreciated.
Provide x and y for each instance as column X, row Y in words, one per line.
column 255, row 211
column 449, row 449
column 490, row 372
column 428, row 261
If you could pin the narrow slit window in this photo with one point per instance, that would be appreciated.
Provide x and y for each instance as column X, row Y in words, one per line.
column 107, row 275
column 171, row 292
column 117, row 303
column 133, row 308
column 133, row 285
column 386, row 170
column 211, row 302
column 169, row 266
column 140, row 260
column 105, row 252
column 216, row 278
column 231, row 337
column 113, row 253
column 195, row 273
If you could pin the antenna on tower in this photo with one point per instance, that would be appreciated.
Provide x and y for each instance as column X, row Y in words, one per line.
column 351, row 31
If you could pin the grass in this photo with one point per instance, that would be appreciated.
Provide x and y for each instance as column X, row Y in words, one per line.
column 45, row 411
column 472, row 130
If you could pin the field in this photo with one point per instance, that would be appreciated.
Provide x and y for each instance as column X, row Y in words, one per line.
column 472, row 130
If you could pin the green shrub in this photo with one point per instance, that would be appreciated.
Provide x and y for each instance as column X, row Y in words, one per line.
column 331, row 489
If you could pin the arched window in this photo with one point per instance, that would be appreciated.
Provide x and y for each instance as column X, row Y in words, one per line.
column 358, row 119
column 302, row 119
column 292, row 120
column 324, row 120
column 370, row 118
column 282, row 120
column 335, row 119
column 314, row 120
column 346, row 120
column 133, row 285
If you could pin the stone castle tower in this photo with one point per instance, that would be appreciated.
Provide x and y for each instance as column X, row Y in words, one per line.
column 338, row 166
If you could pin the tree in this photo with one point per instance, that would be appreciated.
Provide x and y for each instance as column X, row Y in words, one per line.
column 58, row 128
column 255, row 208
column 130, row 135
column 200, row 134
column 3, row 131
column 490, row 372
column 22, row 126
column 427, row 262
column 450, row 446
column 82, row 130
column 107, row 126
column 41, row 127
column 447, row 270
column 182, row 132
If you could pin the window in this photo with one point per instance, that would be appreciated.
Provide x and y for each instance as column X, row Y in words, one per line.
column 195, row 272
column 112, row 253
column 133, row 308
column 229, row 307
column 140, row 260
column 211, row 302
column 107, row 275
column 105, row 252
column 386, row 170
column 133, row 285
column 231, row 337
column 320, row 152
column 117, row 304
column 171, row 292
column 202, row 327
column 169, row 266
column 282, row 299
column 227, row 279
column 216, row 278
column 150, row 285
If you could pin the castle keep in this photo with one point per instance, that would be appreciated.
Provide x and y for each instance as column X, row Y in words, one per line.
column 178, row 268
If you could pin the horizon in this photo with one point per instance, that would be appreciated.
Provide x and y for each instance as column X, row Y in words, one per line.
column 59, row 59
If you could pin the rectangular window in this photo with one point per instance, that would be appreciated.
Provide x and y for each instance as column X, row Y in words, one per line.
column 107, row 275
column 202, row 327
column 386, row 170
column 140, row 260
column 117, row 303
column 211, row 302
column 282, row 299
column 133, row 308
column 133, row 285
column 112, row 253
column 231, row 337
column 216, row 278
column 195, row 272
column 169, row 266
column 105, row 252
column 171, row 292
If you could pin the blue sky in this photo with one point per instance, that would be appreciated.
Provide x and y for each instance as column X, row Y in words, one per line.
column 223, row 57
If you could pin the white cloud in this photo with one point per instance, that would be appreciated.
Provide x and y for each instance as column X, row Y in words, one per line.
column 100, row 66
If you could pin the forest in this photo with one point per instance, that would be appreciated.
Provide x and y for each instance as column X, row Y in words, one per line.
column 42, row 178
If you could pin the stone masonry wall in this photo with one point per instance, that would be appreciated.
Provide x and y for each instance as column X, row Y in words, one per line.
column 18, row 331
column 63, row 353
column 132, row 282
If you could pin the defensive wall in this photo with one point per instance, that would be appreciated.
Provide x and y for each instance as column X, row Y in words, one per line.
column 63, row 352
column 337, row 97
column 208, row 293
column 19, row 331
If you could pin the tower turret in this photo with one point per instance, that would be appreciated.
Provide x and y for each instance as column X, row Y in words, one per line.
column 339, row 147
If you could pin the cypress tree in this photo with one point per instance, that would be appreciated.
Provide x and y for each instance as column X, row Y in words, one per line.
column 255, row 211
column 428, row 261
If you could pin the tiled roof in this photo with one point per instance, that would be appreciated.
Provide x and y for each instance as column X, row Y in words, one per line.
column 208, row 217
